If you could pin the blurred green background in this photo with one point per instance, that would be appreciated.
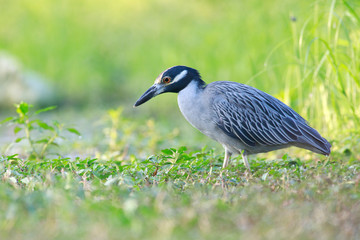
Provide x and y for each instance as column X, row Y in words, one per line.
column 99, row 52
column 93, row 59
column 99, row 55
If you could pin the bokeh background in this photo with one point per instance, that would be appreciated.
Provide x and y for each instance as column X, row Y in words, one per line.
column 145, row 173
column 89, row 56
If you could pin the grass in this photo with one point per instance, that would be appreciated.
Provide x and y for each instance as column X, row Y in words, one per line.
column 123, row 179
column 176, row 195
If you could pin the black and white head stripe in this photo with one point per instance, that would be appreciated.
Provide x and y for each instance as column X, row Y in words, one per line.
column 177, row 73
column 180, row 76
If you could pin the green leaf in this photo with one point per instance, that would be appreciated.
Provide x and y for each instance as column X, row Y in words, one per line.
column 45, row 126
column 19, row 139
column 182, row 149
column 167, row 151
column 23, row 108
column 73, row 130
column 285, row 157
column 45, row 140
column 17, row 129
column 12, row 157
column 44, row 110
column 8, row 119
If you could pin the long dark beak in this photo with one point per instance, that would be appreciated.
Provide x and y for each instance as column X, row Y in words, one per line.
column 150, row 93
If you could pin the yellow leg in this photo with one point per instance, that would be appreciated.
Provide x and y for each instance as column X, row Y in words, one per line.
column 247, row 165
column 226, row 158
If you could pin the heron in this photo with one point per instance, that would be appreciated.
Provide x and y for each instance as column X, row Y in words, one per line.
column 243, row 119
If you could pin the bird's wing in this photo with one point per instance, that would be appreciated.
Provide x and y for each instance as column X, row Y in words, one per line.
column 253, row 116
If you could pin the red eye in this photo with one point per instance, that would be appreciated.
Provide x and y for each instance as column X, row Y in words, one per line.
column 166, row 79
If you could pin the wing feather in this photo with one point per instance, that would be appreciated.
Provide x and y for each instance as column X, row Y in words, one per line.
column 254, row 117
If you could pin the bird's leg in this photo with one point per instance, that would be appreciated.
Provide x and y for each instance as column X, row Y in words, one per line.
column 244, row 156
column 225, row 164
column 226, row 158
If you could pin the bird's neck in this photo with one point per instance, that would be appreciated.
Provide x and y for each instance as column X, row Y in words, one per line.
column 199, row 84
column 191, row 90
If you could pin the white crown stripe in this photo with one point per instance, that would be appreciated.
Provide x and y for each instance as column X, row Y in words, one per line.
column 180, row 76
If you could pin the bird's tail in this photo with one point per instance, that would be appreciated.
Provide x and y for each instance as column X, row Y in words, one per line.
column 313, row 141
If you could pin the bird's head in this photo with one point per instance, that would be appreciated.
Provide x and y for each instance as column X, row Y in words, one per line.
column 173, row 79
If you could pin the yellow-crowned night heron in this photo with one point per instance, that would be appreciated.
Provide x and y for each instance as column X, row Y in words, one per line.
column 242, row 118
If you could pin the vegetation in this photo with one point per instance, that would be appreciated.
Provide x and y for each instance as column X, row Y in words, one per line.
column 123, row 175
column 178, row 195
column 175, row 194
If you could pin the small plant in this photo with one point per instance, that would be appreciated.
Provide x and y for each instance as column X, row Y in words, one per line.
column 122, row 137
column 39, row 134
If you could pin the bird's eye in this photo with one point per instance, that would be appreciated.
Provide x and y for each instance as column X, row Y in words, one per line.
column 166, row 79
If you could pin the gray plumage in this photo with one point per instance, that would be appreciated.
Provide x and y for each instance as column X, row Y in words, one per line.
column 260, row 121
column 242, row 118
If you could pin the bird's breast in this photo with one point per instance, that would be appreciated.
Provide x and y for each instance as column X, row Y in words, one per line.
column 194, row 108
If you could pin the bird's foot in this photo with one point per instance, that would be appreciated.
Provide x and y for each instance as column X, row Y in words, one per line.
column 224, row 185
column 248, row 174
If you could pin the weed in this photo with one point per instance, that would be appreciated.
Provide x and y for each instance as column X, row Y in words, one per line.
column 27, row 127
